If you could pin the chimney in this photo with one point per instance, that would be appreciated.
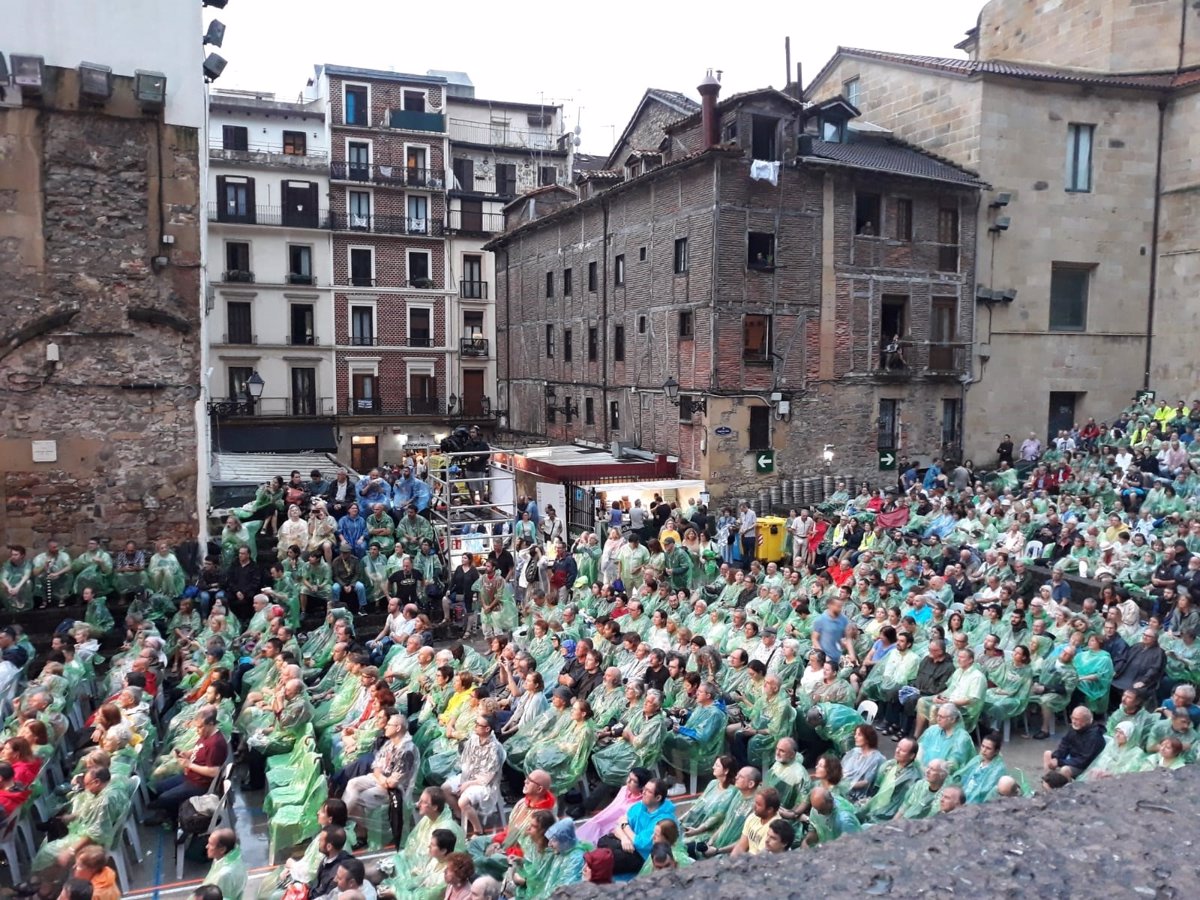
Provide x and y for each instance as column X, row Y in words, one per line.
column 709, row 123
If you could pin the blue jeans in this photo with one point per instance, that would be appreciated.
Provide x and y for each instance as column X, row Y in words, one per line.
column 206, row 599
column 359, row 589
column 173, row 792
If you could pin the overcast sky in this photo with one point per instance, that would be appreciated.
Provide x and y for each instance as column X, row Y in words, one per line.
column 595, row 60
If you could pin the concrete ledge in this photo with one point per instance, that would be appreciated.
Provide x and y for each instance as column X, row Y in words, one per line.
column 1134, row 836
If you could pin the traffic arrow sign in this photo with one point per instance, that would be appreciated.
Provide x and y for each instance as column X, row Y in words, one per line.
column 887, row 460
column 764, row 462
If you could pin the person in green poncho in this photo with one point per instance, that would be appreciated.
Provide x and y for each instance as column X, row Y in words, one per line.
column 1008, row 694
column 1094, row 666
column 1121, row 754
column 677, row 565
column 266, row 506
column 90, row 818
column 948, row 740
column 922, row 800
column 381, row 530
column 827, row 819
column 16, row 581
column 693, row 746
column 788, row 775
column 835, row 723
column 227, row 871
column 428, row 882
column 499, row 611
column 95, row 612
column 164, row 574
column 564, row 756
column 53, row 582
column 980, row 777
column 896, row 778
column 433, row 813
column 1054, row 688
column 413, row 529
column 94, row 569
column 638, row 744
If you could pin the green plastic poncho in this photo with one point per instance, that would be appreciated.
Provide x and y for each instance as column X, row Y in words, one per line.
column 693, row 747
column 791, row 780
column 892, row 785
column 52, row 590
column 978, row 778
column 1009, row 694
column 16, row 585
column 640, row 744
column 498, row 609
column 164, row 575
column 565, row 756
column 94, row 569
column 229, row 874
column 1095, row 670
column 93, row 816
column 954, row 748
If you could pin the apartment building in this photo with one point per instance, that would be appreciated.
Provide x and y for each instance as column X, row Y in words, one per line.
column 271, row 299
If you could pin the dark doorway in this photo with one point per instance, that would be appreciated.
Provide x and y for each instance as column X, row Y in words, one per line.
column 300, row 204
column 1062, row 412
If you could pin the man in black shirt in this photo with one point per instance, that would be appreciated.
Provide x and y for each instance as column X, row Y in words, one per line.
column 932, row 677
column 501, row 559
column 333, row 852
column 242, row 582
column 1079, row 747
column 405, row 583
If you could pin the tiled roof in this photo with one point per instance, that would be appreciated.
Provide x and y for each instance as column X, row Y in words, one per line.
column 681, row 102
column 966, row 68
column 731, row 100
column 601, row 175
column 897, row 157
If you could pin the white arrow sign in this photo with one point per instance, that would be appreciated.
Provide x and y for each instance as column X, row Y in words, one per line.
column 764, row 461
column 887, row 459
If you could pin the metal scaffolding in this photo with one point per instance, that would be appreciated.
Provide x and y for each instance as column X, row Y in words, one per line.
column 478, row 505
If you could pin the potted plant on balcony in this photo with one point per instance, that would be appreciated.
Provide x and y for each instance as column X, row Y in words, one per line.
column 423, row 283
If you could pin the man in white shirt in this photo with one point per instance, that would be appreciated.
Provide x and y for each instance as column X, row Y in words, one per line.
column 802, row 529
column 747, row 533
column 553, row 529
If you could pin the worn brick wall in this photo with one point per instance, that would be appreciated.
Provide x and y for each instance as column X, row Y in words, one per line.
column 79, row 197
column 719, row 289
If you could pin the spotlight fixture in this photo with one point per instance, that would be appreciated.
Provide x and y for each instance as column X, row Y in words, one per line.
column 214, row 65
column 150, row 88
column 28, row 72
column 1002, row 199
column 1008, row 295
column 216, row 33
column 95, row 82
column 1001, row 224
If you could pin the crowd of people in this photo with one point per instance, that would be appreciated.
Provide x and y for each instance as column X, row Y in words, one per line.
column 618, row 672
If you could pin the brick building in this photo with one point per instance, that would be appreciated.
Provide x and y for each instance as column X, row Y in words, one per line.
column 100, row 275
column 1081, row 116
column 761, row 255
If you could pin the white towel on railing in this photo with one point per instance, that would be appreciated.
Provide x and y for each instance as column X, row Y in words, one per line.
column 358, row 221
column 765, row 170
column 385, row 171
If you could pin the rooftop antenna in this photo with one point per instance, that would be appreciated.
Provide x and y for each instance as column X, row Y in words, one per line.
column 787, row 55
column 720, row 72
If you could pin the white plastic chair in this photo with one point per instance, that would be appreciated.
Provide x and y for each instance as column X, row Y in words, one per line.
column 868, row 709
column 11, row 850
column 1033, row 550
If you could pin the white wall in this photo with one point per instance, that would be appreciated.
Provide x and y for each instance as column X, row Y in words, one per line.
column 124, row 34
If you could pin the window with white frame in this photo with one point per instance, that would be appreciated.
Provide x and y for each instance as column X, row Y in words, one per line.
column 1079, row 157
column 420, row 269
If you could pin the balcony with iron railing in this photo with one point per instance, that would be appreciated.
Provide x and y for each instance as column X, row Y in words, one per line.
column 282, row 216
column 237, row 276
column 244, row 338
column 380, row 224
column 908, row 359
column 378, row 406
column 468, row 222
column 412, row 120
column 473, row 290
column 274, row 407
column 266, row 154
column 388, row 176
column 498, row 135
column 475, row 347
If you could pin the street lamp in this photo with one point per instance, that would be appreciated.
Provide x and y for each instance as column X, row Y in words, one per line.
column 828, row 454
column 255, row 385
column 672, row 390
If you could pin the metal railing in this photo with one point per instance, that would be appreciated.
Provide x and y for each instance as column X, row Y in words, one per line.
column 416, row 340
column 283, row 216
column 239, row 337
column 394, row 176
column 361, row 281
column 475, row 222
column 473, row 346
column 426, row 406
column 498, row 135
column 273, row 407
column 473, row 290
column 303, row 340
column 297, row 278
column 238, row 276
column 269, row 155
column 377, row 406
column 362, row 340
column 379, row 224
column 411, row 120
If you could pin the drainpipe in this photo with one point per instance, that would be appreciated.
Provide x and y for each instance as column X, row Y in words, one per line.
column 604, row 242
column 1153, row 288
column 507, row 341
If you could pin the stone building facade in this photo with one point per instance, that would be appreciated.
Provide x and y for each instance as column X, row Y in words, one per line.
column 1081, row 117
column 768, row 304
column 100, row 275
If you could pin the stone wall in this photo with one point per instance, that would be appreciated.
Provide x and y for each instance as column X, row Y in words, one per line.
column 1116, row 837
column 1109, row 35
column 85, row 196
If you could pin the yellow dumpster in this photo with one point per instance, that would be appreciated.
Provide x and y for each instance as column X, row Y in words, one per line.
column 772, row 538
